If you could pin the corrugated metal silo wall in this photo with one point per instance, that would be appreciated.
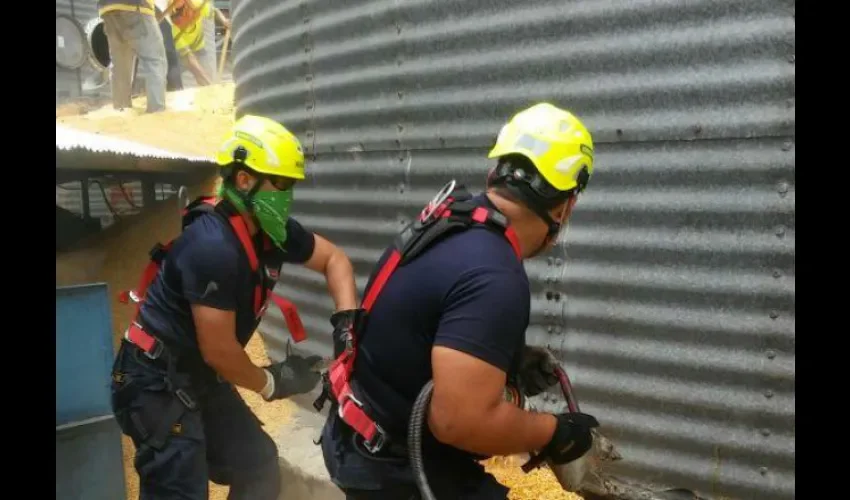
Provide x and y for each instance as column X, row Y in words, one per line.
column 671, row 296
column 69, row 83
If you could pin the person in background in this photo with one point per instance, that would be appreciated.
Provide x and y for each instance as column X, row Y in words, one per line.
column 193, row 29
column 174, row 80
column 132, row 32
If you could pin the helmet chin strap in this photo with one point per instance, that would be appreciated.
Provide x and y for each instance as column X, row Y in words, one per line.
column 554, row 228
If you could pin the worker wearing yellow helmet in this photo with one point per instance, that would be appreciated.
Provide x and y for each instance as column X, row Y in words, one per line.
column 446, row 311
column 200, row 301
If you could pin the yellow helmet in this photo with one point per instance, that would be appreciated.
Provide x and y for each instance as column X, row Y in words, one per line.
column 555, row 141
column 263, row 145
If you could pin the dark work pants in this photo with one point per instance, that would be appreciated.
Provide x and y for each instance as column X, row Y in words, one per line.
column 173, row 79
column 221, row 441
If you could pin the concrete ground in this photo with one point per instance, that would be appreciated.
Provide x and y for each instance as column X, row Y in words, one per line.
column 303, row 472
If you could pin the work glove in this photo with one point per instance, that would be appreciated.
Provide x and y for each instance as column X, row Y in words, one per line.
column 537, row 370
column 572, row 437
column 345, row 324
column 295, row 375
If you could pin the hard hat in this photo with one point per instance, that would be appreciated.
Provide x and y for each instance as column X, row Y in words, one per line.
column 554, row 140
column 263, row 145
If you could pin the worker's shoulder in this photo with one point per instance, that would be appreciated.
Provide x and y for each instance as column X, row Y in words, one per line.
column 208, row 237
column 480, row 246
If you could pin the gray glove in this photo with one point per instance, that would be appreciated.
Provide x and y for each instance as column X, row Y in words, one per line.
column 537, row 370
column 295, row 375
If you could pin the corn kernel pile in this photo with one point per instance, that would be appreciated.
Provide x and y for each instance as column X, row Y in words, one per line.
column 539, row 484
column 195, row 122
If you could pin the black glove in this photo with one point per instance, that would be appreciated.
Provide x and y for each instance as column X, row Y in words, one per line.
column 537, row 370
column 572, row 437
column 345, row 323
column 295, row 375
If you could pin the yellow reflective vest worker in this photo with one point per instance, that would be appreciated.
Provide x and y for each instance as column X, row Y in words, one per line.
column 141, row 6
column 187, row 26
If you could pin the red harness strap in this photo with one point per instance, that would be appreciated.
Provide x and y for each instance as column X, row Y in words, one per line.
column 339, row 374
column 136, row 335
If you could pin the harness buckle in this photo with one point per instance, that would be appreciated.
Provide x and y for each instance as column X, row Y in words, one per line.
column 156, row 350
column 325, row 395
column 377, row 443
column 186, row 399
column 157, row 253
column 350, row 397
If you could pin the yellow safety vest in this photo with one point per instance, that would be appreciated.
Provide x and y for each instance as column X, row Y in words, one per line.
column 192, row 37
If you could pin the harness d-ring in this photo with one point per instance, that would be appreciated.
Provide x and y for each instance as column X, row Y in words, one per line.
column 437, row 201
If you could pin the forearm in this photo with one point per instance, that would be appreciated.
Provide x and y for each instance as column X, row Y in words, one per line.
column 503, row 430
column 233, row 364
column 221, row 18
column 340, row 278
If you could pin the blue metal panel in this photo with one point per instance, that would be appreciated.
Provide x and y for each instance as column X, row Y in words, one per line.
column 83, row 352
column 89, row 463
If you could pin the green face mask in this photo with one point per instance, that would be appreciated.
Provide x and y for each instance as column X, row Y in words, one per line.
column 271, row 208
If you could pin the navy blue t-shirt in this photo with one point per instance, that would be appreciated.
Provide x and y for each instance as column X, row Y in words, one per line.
column 207, row 265
column 468, row 292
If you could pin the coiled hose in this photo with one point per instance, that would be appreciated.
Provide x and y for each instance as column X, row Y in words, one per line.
column 418, row 420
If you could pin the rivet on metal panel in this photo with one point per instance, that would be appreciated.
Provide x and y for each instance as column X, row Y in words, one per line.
column 765, row 432
column 309, row 107
column 309, row 77
column 400, row 95
column 398, row 29
column 619, row 132
column 401, row 158
column 763, row 471
column 309, row 133
column 777, row 273
column 558, row 262
column 782, row 187
column 780, row 231
column 697, row 129
column 792, row 59
column 397, row 143
column 787, row 145
column 768, row 394
column 550, row 261
column 442, row 142
column 401, row 188
column 549, row 295
column 550, row 329
column 771, row 354
column 306, row 20
column 774, row 314
column 557, row 296
column 400, row 128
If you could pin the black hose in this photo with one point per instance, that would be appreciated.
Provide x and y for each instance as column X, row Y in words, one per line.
column 418, row 419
